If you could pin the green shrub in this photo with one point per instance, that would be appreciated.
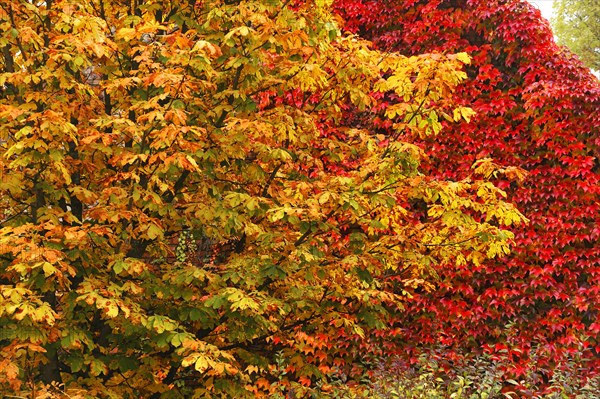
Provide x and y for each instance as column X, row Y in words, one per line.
column 430, row 379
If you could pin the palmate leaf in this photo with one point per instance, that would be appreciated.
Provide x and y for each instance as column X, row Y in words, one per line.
column 537, row 109
column 185, row 197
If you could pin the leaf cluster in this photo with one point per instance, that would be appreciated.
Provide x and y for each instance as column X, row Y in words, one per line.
column 181, row 198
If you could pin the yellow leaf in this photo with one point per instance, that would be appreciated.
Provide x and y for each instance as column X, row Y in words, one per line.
column 201, row 364
column 189, row 360
column 154, row 231
column 112, row 310
column 462, row 57
column 324, row 197
column 48, row 269
column 126, row 34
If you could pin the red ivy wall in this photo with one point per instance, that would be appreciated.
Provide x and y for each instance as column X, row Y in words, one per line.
column 538, row 108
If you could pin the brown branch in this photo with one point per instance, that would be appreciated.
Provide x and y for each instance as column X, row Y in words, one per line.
column 271, row 178
column 11, row 16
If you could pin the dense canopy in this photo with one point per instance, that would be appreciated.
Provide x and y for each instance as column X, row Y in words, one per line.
column 537, row 108
column 186, row 212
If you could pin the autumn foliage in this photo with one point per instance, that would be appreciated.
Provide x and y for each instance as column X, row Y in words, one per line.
column 183, row 202
column 537, row 108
